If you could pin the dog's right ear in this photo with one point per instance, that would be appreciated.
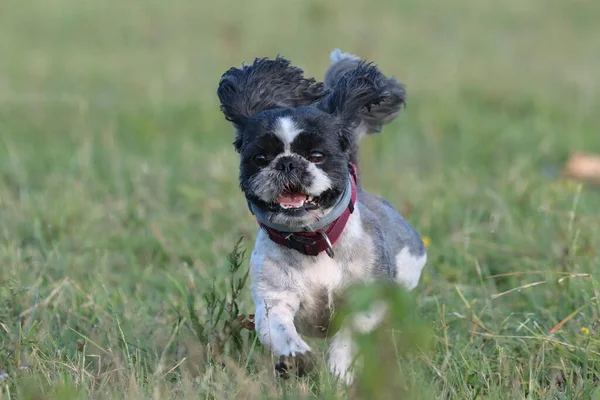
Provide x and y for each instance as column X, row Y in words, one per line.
column 266, row 84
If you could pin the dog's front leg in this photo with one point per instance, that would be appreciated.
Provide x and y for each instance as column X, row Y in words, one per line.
column 275, row 327
column 343, row 350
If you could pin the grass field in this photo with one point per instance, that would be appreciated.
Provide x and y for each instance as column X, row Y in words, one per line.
column 119, row 202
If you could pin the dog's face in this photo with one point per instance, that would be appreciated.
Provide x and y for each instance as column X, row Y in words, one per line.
column 293, row 165
column 294, row 136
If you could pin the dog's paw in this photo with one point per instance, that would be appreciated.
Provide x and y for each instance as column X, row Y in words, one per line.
column 341, row 357
column 299, row 365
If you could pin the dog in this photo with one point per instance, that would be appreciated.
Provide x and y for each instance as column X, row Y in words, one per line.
column 298, row 141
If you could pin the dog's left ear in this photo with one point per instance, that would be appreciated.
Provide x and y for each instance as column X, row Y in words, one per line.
column 266, row 84
column 362, row 94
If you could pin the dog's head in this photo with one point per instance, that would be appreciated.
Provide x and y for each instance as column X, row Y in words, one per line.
column 294, row 137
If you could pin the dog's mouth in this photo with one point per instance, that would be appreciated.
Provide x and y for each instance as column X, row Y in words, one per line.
column 295, row 200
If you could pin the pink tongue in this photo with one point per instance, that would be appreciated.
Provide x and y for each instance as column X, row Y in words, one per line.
column 291, row 199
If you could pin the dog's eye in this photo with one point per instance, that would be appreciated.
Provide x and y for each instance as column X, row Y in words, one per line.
column 260, row 160
column 316, row 157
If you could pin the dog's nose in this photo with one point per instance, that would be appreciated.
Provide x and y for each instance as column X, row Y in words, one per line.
column 286, row 164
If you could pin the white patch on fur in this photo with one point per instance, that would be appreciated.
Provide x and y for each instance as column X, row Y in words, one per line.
column 341, row 353
column 325, row 273
column 320, row 182
column 260, row 189
column 343, row 350
column 337, row 55
column 365, row 322
column 276, row 330
column 408, row 268
column 286, row 130
column 275, row 310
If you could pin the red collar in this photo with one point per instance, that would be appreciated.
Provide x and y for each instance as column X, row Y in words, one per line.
column 314, row 243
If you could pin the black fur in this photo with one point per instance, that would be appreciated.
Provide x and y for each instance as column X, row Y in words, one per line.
column 360, row 88
column 380, row 114
column 356, row 91
column 264, row 85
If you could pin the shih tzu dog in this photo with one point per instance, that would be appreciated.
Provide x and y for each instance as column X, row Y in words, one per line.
column 298, row 141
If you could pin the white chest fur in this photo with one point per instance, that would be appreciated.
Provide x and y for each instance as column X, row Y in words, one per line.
column 310, row 283
column 274, row 268
column 326, row 272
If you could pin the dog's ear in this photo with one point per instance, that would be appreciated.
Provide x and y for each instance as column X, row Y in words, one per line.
column 266, row 84
column 362, row 94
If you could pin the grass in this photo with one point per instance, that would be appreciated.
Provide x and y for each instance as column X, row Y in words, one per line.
column 119, row 206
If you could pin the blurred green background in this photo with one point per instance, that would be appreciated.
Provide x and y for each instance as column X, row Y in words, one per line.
column 119, row 196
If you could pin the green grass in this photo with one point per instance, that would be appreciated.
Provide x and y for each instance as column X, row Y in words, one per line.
column 119, row 201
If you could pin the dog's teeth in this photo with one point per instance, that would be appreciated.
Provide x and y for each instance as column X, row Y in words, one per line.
column 287, row 207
